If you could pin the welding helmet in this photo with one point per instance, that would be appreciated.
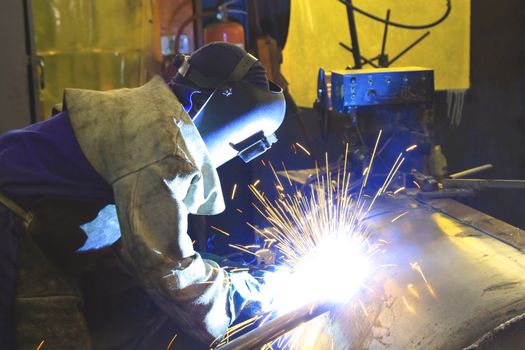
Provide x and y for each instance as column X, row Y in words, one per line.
column 232, row 103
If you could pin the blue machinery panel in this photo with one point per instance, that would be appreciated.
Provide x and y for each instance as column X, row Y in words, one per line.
column 369, row 87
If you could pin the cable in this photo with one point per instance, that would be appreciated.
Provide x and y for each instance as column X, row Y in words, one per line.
column 177, row 10
column 401, row 25
column 187, row 21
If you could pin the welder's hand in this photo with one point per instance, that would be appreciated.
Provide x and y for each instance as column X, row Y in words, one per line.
column 227, row 261
column 245, row 294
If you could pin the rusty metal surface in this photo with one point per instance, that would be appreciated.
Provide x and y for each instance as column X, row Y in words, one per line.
column 474, row 283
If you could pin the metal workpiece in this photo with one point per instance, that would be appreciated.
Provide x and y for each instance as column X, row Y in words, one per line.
column 277, row 327
column 441, row 283
column 506, row 336
column 470, row 171
column 479, row 184
column 487, row 224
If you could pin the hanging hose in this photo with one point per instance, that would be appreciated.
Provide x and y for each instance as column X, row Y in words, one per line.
column 402, row 25
column 221, row 10
column 177, row 9
column 187, row 21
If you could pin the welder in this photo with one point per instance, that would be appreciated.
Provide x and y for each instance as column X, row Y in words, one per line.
column 153, row 152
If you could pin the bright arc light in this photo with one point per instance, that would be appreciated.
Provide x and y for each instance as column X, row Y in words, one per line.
column 321, row 239
column 333, row 272
column 322, row 235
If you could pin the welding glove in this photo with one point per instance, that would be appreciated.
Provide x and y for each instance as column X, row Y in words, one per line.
column 245, row 294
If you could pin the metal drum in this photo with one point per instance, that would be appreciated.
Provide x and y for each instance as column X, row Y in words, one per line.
column 449, row 277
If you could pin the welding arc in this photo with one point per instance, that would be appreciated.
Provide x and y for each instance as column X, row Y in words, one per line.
column 277, row 327
column 401, row 25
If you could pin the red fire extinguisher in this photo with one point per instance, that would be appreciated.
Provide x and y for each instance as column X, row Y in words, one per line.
column 225, row 29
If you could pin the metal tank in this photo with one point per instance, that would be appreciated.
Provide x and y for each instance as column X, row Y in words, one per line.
column 450, row 277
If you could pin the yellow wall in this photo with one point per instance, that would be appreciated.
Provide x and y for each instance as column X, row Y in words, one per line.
column 92, row 44
column 317, row 27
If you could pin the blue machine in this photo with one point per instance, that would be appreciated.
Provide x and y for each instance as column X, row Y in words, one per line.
column 354, row 105
column 379, row 87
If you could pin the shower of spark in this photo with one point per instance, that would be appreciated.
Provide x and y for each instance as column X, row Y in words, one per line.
column 321, row 237
column 323, row 244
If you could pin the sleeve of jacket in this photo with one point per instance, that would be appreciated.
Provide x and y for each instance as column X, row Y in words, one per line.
column 152, row 209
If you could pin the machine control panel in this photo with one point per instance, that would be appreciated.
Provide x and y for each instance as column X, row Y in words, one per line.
column 384, row 86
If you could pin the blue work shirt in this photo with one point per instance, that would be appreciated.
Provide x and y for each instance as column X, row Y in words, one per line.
column 38, row 162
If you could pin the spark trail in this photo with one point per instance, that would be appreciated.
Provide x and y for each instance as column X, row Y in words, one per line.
column 322, row 239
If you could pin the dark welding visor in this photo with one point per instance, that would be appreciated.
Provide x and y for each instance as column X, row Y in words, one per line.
column 239, row 119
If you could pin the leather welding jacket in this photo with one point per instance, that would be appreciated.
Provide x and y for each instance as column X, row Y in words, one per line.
column 145, row 147
column 143, row 143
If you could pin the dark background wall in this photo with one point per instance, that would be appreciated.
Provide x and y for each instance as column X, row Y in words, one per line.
column 493, row 125
column 17, row 88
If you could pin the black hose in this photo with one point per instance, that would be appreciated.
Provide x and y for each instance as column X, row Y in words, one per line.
column 401, row 25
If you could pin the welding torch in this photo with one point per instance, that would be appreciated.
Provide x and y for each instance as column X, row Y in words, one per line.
column 277, row 327
column 457, row 186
